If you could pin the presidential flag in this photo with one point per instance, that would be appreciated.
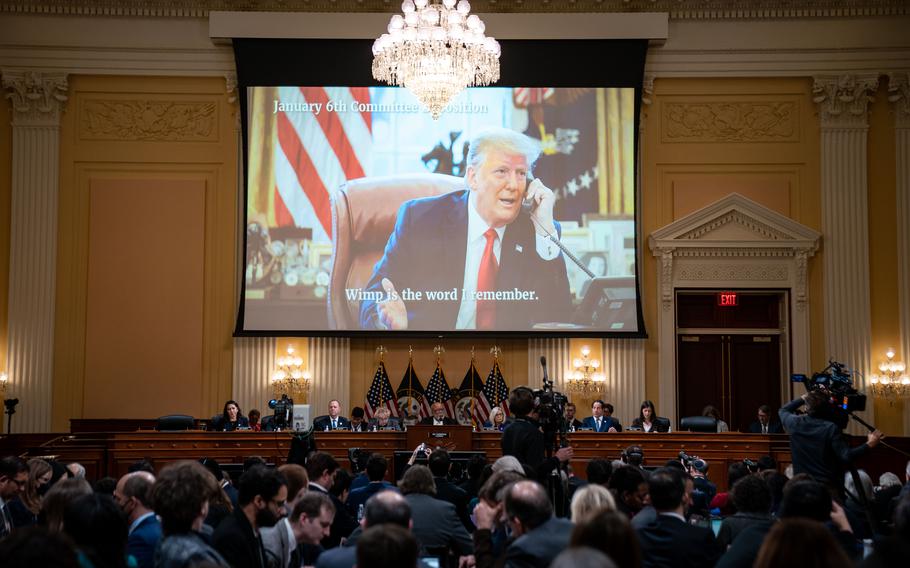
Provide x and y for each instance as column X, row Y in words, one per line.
column 317, row 153
column 380, row 394
column 468, row 408
column 438, row 391
column 412, row 398
column 495, row 391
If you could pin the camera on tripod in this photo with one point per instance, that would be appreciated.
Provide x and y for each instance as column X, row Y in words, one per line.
column 284, row 412
column 550, row 406
column 835, row 381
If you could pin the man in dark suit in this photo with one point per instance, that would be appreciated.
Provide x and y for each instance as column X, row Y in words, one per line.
column 669, row 540
column 321, row 469
column 386, row 507
column 483, row 246
column 262, row 495
column 358, row 423
column 333, row 420
column 439, row 417
column 539, row 536
column 764, row 424
column 308, row 523
column 436, row 525
column 572, row 422
column 377, row 465
column 133, row 493
column 439, row 463
column 600, row 420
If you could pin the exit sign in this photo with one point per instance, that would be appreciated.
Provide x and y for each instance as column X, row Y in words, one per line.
column 727, row 299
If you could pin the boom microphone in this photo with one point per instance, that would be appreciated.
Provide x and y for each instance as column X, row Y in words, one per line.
column 543, row 363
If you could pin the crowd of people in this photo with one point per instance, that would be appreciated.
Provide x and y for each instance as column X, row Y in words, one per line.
column 525, row 509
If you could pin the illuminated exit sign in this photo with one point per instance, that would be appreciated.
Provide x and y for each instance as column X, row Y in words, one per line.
column 727, row 299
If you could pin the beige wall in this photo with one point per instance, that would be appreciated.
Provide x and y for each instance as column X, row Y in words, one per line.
column 165, row 151
column 147, row 226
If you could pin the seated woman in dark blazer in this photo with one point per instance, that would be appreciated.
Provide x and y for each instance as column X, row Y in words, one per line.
column 231, row 419
column 649, row 421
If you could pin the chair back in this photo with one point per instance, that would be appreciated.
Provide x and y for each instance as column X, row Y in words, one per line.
column 175, row 422
column 363, row 216
column 698, row 424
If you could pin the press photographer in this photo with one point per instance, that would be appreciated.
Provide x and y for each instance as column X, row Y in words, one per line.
column 817, row 443
column 525, row 440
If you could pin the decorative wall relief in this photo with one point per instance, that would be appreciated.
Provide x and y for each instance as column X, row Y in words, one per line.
column 772, row 121
column 148, row 120
column 733, row 272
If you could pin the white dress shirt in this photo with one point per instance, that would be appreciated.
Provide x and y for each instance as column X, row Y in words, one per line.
column 467, row 312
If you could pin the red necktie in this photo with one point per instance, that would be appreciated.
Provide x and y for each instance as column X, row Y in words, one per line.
column 486, row 282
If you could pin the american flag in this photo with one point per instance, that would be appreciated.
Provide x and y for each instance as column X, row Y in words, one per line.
column 381, row 393
column 410, row 390
column 317, row 153
column 438, row 391
column 495, row 391
column 472, row 388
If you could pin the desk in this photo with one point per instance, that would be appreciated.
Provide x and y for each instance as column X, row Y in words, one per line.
column 112, row 453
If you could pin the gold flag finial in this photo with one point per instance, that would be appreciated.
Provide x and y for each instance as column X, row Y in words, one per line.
column 472, row 353
column 439, row 350
column 381, row 351
column 496, row 352
column 410, row 353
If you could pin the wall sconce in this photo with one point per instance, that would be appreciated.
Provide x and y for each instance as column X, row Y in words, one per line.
column 586, row 380
column 891, row 382
column 291, row 378
column 4, row 381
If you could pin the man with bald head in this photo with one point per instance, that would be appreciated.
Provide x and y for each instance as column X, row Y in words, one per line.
column 133, row 494
column 385, row 507
column 539, row 536
column 439, row 417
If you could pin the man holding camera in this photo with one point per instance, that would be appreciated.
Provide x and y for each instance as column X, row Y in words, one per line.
column 817, row 445
column 523, row 438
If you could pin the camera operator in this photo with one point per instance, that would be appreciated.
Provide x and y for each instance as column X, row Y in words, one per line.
column 704, row 490
column 816, row 443
column 524, row 440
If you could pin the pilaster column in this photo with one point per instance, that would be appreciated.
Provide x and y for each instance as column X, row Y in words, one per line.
column 843, row 103
column 37, row 101
column 899, row 95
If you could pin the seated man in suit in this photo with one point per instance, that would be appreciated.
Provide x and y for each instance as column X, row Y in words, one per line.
column 383, row 420
column 669, row 540
column 333, row 420
column 600, row 419
column 308, row 523
column 436, row 524
column 539, row 536
column 386, row 507
column 764, row 425
column 439, row 417
column 571, row 421
column 358, row 424
column 134, row 495
column 482, row 242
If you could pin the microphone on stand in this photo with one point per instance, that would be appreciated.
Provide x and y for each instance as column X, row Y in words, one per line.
column 543, row 363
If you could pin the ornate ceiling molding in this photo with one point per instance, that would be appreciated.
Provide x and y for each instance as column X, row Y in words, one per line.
column 678, row 9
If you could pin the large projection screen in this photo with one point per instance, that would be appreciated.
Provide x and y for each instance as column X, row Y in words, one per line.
column 363, row 214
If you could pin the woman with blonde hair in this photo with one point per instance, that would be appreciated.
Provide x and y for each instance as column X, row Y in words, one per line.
column 589, row 500
column 497, row 419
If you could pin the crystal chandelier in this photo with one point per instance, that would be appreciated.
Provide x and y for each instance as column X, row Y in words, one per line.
column 290, row 378
column 585, row 380
column 436, row 50
column 891, row 382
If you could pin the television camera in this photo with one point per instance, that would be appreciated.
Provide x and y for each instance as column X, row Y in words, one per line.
column 835, row 382
column 550, row 406
column 693, row 462
column 284, row 412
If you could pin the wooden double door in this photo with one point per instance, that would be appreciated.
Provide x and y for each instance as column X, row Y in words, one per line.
column 729, row 358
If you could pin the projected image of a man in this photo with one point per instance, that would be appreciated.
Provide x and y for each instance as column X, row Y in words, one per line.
column 477, row 258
